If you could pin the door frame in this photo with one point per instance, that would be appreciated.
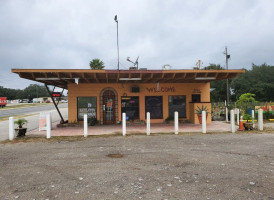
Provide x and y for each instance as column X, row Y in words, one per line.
column 115, row 105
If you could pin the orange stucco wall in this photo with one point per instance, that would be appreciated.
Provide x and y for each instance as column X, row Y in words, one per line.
column 85, row 90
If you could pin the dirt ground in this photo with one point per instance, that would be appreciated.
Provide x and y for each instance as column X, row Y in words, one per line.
column 187, row 166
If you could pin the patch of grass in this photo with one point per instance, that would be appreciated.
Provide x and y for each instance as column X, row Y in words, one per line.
column 16, row 116
column 24, row 105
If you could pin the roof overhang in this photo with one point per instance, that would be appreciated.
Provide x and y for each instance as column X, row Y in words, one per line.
column 62, row 77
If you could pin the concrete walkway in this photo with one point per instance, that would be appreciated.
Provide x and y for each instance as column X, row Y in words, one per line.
column 215, row 126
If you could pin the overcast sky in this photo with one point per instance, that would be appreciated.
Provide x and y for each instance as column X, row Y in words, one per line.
column 69, row 33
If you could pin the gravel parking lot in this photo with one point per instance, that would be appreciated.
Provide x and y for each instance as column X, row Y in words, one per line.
column 189, row 166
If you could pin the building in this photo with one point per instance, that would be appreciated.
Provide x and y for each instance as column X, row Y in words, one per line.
column 106, row 94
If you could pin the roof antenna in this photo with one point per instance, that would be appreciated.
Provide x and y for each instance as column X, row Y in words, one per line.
column 135, row 63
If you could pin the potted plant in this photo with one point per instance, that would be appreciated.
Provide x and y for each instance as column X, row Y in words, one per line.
column 248, row 125
column 199, row 112
column 92, row 121
column 169, row 119
column 20, row 130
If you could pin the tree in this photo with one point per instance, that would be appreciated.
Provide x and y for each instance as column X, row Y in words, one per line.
column 244, row 100
column 213, row 67
column 96, row 64
column 34, row 91
column 30, row 92
column 259, row 81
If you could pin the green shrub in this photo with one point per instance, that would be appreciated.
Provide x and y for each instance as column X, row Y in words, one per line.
column 21, row 122
column 92, row 121
column 247, row 117
column 170, row 118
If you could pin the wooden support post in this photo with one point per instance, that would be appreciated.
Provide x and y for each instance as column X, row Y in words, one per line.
column 11, row 128
column 148, row 123
column 238, row 116
column 85, row 125
column 203, row 121
column 62, row 119
column 124, row 124
column 226, row 114
column 60, row 96
column 253, row 117
column 232, row 121
column 260, row 120
column 176, row 123
column 48, row 126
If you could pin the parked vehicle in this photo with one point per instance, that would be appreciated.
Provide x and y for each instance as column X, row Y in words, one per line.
column 3, row 102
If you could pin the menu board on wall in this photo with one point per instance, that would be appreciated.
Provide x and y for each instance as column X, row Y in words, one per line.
column 86, row 105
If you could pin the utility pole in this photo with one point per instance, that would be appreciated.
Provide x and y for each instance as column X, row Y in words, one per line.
column 116, row 20
column 227, row 84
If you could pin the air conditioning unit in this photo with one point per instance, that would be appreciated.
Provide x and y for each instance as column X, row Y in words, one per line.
column 135, row 89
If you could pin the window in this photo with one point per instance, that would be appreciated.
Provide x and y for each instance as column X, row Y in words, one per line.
column 177, row 103
column 196, row 98
column 130, row 106
column 154, row 105
column 86, row 105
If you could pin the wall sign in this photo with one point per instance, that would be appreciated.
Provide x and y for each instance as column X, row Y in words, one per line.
column 161, row 89
column 43, row 121
column 86, row 105
column 56, row 94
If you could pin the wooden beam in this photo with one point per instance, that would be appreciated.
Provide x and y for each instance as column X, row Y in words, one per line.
column 151, row 77
column 95, row 77
column 173, row 76
column 118, row 77
column 62, row 119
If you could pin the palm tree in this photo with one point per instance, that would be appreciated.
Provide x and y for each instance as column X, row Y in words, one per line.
column 96, row 64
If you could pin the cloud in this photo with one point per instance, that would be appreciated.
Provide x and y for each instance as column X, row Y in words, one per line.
column 70, row 33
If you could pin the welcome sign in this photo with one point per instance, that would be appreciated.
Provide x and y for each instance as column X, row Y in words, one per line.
column 160, row 89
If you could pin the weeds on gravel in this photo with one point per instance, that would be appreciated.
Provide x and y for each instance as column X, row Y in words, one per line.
column 54, row 139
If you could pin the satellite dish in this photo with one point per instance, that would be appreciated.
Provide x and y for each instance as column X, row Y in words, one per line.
column 166, row 67
column 135, row 63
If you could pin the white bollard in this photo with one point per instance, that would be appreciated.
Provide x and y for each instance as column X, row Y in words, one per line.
column 176, row 123
column 253, row 117
column 260, row 120
column 232, row 121
column 48, row 126
column 124, row 124
column 226, row 114
column 11, row 128
column 148, row 123
column 238, row 116
column 203, row 121
column 85, row 125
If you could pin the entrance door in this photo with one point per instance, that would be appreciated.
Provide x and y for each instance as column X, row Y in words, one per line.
column 109, row 107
